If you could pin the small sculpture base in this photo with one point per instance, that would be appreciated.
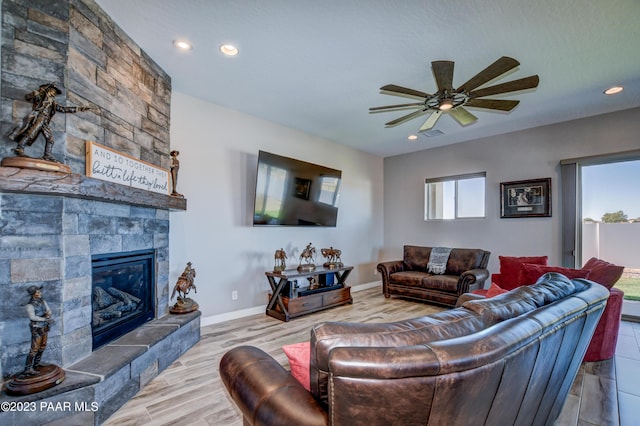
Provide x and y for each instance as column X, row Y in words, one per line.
column 175, row 194
column 332, row 265
column 23, row 384
column 36, row 164
column 184, row 306
column 306, row 268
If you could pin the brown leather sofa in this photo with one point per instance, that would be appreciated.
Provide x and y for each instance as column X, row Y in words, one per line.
column 506, row 360
column 466, row 271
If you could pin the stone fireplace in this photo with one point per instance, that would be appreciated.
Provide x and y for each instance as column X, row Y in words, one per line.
column 54, row 226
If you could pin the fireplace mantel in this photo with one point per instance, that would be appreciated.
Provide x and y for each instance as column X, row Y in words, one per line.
column 29, row 181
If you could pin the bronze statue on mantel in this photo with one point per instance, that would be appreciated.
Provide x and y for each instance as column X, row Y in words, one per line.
column 37, row 376
column 333, row 257
column 307, row 259
column 43, row 108
column 175, row 168
column 185, row 283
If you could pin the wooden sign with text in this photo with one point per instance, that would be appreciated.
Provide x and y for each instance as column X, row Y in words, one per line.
column 108, row 164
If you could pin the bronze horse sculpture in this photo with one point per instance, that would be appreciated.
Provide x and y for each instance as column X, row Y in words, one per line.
column 185, row 283
column 307, row 257
column 332, row 255
column 279, row 259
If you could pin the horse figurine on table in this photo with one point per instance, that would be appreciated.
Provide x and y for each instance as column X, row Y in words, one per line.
column 307, row 258
column 183, row 286
column 333, row 257
column 280, row 260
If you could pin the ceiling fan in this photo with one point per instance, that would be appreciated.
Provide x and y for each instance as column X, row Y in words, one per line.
column 452, row 101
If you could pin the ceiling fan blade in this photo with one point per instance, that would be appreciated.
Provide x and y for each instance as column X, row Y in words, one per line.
column 499, row 104
column 443, row 72
column 494, row 70
column 510, row 86
column 392, row 89
column 462, row 116
column 431, row 121
column 406, row 118
column 399, row 106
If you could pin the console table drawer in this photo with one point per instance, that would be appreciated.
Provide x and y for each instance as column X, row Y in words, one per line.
column 336, row 296
column 303, row 304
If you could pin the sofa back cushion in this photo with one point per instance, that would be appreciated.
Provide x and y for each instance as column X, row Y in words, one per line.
column 603, row 272
column 531, row 272
column 511, row 269
column 415, row 258
column 460, row 259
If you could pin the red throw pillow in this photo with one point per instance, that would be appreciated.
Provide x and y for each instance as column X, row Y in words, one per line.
column 299, row 355
column 531, row 272
column 495, row 290
column 603, row 272
column 511, row 269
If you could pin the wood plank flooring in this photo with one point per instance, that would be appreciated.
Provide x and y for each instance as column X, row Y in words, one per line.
column 190, row 392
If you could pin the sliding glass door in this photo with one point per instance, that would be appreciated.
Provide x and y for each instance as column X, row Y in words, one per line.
column 601, row 217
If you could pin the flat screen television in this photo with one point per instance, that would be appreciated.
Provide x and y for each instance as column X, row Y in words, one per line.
column 291, row 192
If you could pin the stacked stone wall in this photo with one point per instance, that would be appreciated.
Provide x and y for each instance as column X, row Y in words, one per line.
column 48, row 240
column 74, row 44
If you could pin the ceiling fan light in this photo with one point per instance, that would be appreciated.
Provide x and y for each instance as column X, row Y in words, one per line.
column 445, row 104
column 182, row 44
column 229, row 50
column 613, row 90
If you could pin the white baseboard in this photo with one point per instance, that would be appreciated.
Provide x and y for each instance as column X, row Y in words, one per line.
column 228, row 316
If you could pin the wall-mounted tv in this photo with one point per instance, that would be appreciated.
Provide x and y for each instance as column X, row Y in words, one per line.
column 291, row 192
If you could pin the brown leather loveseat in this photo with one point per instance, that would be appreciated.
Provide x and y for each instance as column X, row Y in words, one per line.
column 507, row 360
column 466, row 270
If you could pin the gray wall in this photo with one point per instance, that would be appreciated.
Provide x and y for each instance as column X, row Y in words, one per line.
column 528, row 154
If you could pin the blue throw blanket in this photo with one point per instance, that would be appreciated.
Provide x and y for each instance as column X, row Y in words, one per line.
column 438, row 260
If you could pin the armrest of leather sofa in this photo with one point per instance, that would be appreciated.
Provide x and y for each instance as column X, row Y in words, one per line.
column 472, row 277
column 467, row 297
column 388, row 268
column 265, row 392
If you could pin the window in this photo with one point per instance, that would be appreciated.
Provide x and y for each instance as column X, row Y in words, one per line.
column 270, row 197
column 329, row 190
column 454, row 197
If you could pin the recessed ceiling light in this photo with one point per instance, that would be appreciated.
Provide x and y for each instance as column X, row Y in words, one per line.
column 229, row 50
column 412, row 137
column 613, row 90
column 182, row 44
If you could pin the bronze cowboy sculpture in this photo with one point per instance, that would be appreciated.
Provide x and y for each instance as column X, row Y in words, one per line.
column 44, row 107
column 184, row 284
column 37, row 376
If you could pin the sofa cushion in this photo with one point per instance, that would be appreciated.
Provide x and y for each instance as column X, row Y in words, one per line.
column 299, row 355
column 531, row 272
column 603, row 272
column 511, row 269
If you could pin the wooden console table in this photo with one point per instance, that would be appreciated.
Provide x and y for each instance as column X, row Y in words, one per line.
column 292, row 297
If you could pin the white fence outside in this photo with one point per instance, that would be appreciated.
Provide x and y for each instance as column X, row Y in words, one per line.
column 617, row 243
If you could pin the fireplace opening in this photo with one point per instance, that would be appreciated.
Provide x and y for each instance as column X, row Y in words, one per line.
column 123, row 293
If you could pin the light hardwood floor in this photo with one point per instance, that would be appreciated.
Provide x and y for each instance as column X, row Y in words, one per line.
column 190, row 392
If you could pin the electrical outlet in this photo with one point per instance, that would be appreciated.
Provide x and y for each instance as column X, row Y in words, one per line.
column 375, row 271
column 234, row 295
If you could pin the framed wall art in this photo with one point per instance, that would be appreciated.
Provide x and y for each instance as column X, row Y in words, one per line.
column 526, row 198
column 302, row 188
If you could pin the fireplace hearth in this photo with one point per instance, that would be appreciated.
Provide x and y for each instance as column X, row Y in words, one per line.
column 123, row 296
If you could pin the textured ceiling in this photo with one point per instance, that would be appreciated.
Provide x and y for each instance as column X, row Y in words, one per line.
column 317, row 66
